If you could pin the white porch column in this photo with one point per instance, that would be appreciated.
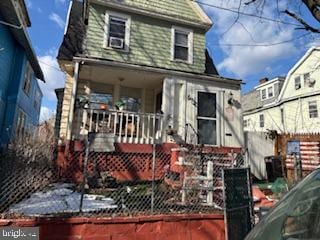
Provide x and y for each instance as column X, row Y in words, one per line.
column 168, row 104
column 72, row 100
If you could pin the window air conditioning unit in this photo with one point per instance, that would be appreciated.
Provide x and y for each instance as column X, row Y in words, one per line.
column 311, row 82
column 298, row 86
column 116, row 42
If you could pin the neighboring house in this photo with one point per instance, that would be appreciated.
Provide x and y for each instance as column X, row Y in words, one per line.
column 143, row 68
column 289, row 105
column 20, row 95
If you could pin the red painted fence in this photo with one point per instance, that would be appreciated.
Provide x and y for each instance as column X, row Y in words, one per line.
column 162, row 227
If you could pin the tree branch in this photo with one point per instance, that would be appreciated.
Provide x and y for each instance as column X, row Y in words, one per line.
column 305, row 25
column 313, row 6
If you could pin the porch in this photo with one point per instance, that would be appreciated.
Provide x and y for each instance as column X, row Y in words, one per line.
column 122, row 102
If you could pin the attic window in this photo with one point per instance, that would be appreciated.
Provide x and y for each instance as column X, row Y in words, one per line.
column 270, row 92
column 263, row 94
column 297, row 83
column 182, row 45
column 117, row 31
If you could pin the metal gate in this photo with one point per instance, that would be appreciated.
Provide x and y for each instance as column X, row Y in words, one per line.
column 238, row 204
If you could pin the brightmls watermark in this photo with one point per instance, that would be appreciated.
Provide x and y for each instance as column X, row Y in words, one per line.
column 23, row 233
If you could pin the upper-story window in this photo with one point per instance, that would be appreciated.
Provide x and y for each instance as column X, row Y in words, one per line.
column 37, row 100
column 182, row 45
column 263, row 94
column 246, row 122
column 313, row 109
column 27, row 79
column 261, row 118
column 270, row 92
column 297, row 82
column 117, row 31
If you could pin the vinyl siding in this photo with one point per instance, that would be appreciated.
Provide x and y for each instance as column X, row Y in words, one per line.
column 150, row 43
column 176, row 8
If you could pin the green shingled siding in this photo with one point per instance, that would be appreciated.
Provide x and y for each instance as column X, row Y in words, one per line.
column 150, row 43
column 180, row 8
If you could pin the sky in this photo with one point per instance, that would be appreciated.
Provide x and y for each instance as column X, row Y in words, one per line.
column 250, row 48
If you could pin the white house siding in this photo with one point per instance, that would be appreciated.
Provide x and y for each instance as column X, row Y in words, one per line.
column 295, row 117
column 183, row 108
column 294, row 102
column 310, row 65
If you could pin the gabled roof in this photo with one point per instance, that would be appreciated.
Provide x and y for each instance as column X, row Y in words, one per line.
column 75, row 31
column 182, row 10
column 294, row 68
column 9, row 13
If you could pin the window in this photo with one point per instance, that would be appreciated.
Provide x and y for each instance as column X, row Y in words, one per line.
column 313, row 109
column 261, row 117
column 131, row 99
column 182, row 44
column 270, row 92
column 21, row 122
column 117, row 31
column 263, row 94
column 246, row 122
column 207, row 118
column 37, row 100
column 27, row 79
column 297, row 83
column 282, row 115
column 306, row 78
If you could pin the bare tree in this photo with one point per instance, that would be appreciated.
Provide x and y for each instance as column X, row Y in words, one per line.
column 313, row 6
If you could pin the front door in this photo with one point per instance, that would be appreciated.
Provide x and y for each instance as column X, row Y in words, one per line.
column 207, row 118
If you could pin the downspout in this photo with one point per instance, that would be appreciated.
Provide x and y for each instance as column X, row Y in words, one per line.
column 73, row 95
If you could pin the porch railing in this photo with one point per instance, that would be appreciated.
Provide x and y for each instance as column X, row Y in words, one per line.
column 127, row 127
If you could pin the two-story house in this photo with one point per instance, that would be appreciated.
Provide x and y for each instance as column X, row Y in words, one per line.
column 289, row 105
column 143, row 68
column 20, row 95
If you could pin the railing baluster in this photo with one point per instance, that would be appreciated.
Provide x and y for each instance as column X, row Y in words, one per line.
column 148, row 129
column 115, row 123
column 120, row 127
column 137, row 129
column 154, row 132
column 97, row 121
column 90, row 123
column 132, row 127
column 126, row 128
column 143, row 128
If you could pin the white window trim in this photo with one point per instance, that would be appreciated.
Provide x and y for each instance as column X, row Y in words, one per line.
column 267, row 94
column 28, row 74
column 217, row 118
column 190, row 43
column 314, row 102
column 106, row 30
column 301, row 77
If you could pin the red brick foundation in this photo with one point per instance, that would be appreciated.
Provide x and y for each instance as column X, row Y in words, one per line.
column 162, row 227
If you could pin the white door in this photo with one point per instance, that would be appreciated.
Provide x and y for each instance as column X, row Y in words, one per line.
column 207, row 118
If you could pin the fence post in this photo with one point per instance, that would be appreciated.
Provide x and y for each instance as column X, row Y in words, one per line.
column 153, row 175
column 84, row 172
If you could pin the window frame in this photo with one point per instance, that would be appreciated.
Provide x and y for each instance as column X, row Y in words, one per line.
column 314, row 111
column 20, row 129
column 261, row 94
column 216, row 119
column 261, row 121
column 272, row 91
column 108, row 15
column 27, row 79
column 295, row 82
column 189, row 33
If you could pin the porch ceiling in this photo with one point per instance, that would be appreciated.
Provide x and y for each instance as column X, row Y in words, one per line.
column 125, row 77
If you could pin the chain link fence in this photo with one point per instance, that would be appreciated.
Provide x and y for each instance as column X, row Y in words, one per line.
column 38, row 179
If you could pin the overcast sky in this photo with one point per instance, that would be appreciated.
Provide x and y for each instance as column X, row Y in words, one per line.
column 235, row 47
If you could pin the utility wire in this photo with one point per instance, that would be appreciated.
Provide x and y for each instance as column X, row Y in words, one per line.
column 259, row 45
column 247, row 14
